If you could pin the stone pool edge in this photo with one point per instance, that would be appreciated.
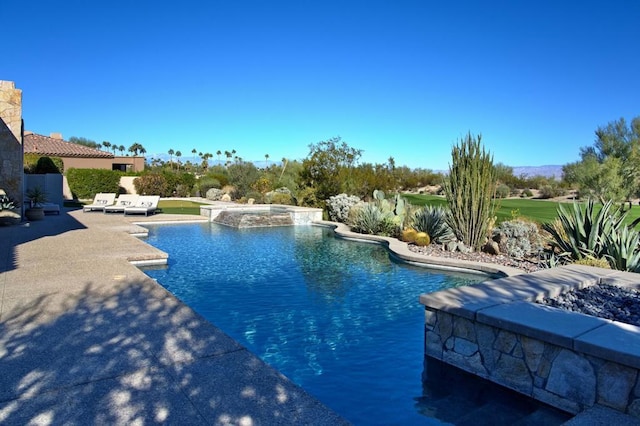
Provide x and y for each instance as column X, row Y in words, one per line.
column 569, row 360
column 399, row 250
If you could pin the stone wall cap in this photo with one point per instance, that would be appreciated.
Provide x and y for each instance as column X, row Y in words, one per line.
column 616, row 341
column 541, row 322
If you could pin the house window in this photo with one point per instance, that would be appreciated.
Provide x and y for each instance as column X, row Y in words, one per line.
column 122, row 167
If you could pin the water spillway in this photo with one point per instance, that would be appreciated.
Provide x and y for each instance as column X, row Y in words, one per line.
column 253, row 219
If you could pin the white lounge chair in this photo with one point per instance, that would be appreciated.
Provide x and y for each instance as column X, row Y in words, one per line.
column 100, row 201
column 146, row 204
column 124, row 200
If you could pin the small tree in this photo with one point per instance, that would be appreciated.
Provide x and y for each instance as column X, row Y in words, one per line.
column 469, row 189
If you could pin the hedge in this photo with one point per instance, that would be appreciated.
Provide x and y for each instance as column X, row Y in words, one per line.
column 86, row 183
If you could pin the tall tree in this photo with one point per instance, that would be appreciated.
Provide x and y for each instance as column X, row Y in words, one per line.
column 121, row 148
column 136, row 148
column 178, row 155
column 171, row 152
column 84, row 141
column 328, row 168
column 106, row 144
column 266, row 159
column 610, row 168
column 218, row 152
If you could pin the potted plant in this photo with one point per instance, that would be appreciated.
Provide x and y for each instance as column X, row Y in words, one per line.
column 36, row 197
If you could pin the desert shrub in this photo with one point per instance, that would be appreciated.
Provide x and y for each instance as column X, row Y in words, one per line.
column 422, row 239
column 220, row 177
column 205, row 183
column 182, row 191
column 551, row 191
column 242, row 176
column 503, row 191
column 518, row 238
column 257, row 197
column 152, row 184
column 526, row 193
column 86, row 183
column 433, row 221
column 339, row 206
column 591, row 261
column 369, row 219
column 280, row 198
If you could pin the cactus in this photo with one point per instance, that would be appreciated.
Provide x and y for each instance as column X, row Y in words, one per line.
column 422, row 239
column 378, row 195
column 400, row 209
column 409, row 235
column 468, row 189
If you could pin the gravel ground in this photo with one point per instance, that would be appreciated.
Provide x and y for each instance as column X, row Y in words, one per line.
column 436, row 250
column 603, row 301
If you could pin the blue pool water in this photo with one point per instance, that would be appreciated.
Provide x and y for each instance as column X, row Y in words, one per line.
column 337, row 317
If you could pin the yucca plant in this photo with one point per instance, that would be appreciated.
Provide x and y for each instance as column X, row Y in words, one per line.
column 583, row 232
column 433, row 221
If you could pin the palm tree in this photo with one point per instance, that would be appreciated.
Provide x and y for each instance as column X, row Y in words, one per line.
column 121, row 148
column 178, row 155
column 135, row 148
column 218, row 154
column 106, row 144
column 171, row 152
column 228, row 155
column 266, row 158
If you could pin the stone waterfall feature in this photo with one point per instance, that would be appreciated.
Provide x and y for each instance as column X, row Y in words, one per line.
column 253, row 219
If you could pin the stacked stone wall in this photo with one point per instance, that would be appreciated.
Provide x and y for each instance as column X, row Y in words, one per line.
column 557, row 375
column 11, row 149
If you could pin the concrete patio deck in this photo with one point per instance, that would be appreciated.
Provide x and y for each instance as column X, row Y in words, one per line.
column 87, row 338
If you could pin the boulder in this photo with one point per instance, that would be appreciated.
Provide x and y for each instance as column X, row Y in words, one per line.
column 214, row 194
column 491, row 247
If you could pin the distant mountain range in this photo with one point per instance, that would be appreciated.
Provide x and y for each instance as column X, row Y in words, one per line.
column 546, row 171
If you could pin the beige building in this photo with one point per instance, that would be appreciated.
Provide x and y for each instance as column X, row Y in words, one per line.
column 79, row 156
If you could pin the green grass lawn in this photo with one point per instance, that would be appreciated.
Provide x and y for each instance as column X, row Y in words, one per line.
column 180, row 207
column 540, row 211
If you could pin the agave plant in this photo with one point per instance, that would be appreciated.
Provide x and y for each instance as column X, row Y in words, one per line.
column 433, row 221
column 584, row 232
column 370, row 219
column 622, row 250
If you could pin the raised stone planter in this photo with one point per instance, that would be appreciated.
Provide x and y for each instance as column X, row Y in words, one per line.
column 566, row 359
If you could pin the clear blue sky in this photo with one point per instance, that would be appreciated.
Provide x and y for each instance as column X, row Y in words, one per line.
column 394, row 78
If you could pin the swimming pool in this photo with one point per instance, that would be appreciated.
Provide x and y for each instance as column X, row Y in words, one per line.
column 337, row 317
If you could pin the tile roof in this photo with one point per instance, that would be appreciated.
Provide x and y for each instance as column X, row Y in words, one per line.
column 45, row 145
